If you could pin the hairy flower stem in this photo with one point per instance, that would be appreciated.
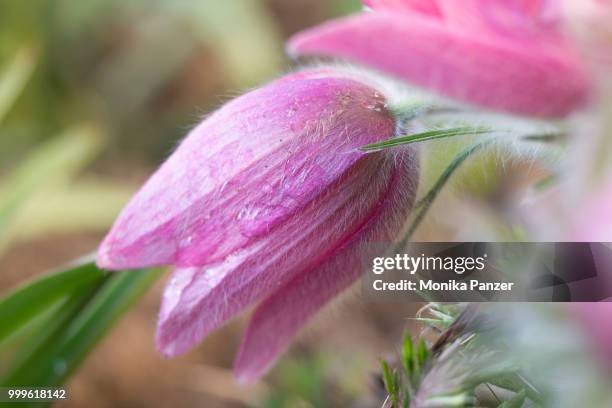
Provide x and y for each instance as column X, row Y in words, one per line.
column 426, row 202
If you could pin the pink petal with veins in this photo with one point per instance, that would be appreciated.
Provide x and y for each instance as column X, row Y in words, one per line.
column 247, row 169
column 277, row 320
column 199, row 300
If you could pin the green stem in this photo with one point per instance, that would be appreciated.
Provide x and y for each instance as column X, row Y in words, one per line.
column 426, row 202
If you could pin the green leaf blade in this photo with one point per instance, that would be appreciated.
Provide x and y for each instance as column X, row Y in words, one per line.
column 424, row 136
column 20, row 307
column 54, row 360
column 15, row 77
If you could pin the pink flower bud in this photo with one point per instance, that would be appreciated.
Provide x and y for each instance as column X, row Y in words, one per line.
column 509, row 55
column 268, row 199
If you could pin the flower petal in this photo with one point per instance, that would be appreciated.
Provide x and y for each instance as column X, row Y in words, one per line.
column 246, row 169
column 198, row 300
column 279, row 317
column 490, row 71
column 520, row 19
column 424, row 6
column 595, row 320
column 593, row 222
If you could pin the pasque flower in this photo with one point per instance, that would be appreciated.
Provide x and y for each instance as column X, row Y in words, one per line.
column 508, row 55
column 590, row 23
column 268, row 200
column 593, row 223
column 594, row 320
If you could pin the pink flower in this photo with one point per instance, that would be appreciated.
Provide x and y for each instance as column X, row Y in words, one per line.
column 508, row 55
column 268, row 199
column 594, row 319
column 593, row 221
column 590, row 22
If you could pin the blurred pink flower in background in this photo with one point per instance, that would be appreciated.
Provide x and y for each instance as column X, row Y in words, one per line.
column 505, row 55
column 590, row 23
column 593, row 222
column 594, row 319
column 269, row 198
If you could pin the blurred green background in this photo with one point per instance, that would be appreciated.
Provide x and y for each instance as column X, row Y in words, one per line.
column 93, row 96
